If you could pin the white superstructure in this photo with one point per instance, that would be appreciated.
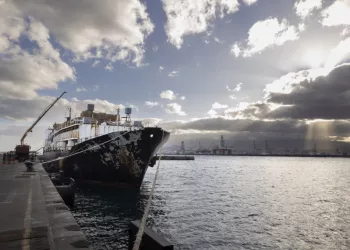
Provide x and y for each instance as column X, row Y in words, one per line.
column 63, row 137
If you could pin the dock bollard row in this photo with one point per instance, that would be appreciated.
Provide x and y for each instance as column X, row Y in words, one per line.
column 8, row 158
column 9, row 161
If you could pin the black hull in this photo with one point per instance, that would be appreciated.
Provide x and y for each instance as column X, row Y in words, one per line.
column 118, row 158
column 51, row 155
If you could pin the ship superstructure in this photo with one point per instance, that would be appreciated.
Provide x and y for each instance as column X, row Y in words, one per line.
column 62, row 137
column 113, row 148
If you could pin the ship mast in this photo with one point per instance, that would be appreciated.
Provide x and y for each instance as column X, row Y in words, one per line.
column 118, row 116
column 69, row 117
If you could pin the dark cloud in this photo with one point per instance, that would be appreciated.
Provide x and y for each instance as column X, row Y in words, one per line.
column 253, row 110
column 246, row 125
column 326, row 97
column 288, row 126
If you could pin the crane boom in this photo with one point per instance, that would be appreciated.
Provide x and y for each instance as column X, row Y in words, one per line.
column 41, row 116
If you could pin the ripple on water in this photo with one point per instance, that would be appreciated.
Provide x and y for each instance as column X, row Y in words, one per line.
column 229, row 203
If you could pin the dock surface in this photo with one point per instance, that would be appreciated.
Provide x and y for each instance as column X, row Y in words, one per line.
column 32, row 213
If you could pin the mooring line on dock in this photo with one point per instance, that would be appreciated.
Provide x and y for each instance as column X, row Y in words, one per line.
column 27, row 218
column 148, row 207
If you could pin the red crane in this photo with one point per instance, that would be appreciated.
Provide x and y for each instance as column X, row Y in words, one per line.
column 22, row 150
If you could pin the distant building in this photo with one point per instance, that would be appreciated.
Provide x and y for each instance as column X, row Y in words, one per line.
column 221, row 151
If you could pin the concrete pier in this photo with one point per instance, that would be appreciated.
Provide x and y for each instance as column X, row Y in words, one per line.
column 176, row 157
column 32, row 213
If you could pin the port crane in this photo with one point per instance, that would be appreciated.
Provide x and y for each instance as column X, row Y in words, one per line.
column 22, row 150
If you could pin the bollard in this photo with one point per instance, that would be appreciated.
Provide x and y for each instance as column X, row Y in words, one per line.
column 150, row 240
column 29, row 165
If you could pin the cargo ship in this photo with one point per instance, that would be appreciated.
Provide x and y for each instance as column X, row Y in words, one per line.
column 103, row 148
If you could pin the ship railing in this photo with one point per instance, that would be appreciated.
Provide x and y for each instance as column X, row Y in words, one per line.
column 99, row 134
column 58, row 149
column 91, row 137
column 65, row 125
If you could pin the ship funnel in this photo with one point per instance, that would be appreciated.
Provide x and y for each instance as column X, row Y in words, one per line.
column 91, row 107
column 128, row 111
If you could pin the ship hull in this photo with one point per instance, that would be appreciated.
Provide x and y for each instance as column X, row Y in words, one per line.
column 118, row 158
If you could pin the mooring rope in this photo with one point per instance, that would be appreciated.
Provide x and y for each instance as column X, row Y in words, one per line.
column 148, row 207
column 82, row 151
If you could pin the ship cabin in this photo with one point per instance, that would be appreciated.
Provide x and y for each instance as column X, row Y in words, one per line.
column 90, row 124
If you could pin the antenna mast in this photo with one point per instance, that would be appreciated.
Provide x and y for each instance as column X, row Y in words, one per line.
column 118, row 116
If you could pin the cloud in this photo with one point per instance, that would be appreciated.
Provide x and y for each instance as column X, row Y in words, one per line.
column 236, row 89
column 18, row 109
column 23, row 73
column 266, row 34
column 155, row 48
column 305, row 7
column 339, row 54
column 174, row 108
column 161, row 68
column 345, row 32
column 81, row 89
column 133, row 106
column 235, row 50
column 114, row 30
column 168, row 94
column 241, row 125
column 151, row 104
column 100, row 105
column 249, row 2
column 193, row 16
column 109, row 67
column 212, row 112
column 173, row 73
column 96, row 87
column 301, row 27
column 182, row 98
column 218, row 40
column 248, row 130
column 96, row 62
column 337, row 14
column 11, row 25
column 252, row 111
column 324, row 97
column 304, row 95
column 217, row 105
column 149, row 121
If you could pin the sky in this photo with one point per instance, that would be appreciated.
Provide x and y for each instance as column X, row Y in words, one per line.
column 198, row 68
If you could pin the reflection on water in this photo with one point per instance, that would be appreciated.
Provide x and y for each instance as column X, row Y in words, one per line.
column 104, row 213
column 229, row 203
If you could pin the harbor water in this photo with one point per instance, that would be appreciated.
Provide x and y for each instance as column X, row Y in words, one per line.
column 227, row 202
